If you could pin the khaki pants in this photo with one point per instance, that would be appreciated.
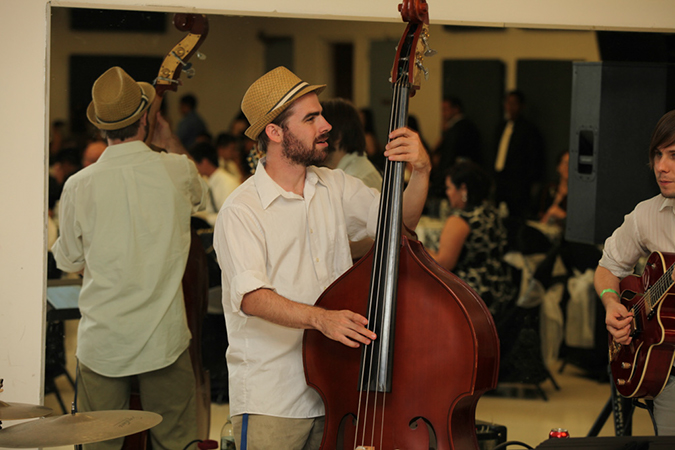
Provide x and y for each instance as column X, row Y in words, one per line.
column 275, row 433
column 169, row 392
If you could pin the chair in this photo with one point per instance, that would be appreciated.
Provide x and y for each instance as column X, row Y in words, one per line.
column 519, row 322
column 214, row 336
column 55, row 349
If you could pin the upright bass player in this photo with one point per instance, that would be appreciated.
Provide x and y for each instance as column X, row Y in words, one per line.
column 281, row 238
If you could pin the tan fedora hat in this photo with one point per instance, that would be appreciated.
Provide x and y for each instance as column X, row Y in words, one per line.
column 270, row 95
column 118, row 100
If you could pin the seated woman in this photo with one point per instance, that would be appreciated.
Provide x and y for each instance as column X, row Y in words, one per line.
column 473, row 240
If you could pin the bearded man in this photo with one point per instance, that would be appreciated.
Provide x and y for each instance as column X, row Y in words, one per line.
column 282, row 238
column 648, row 228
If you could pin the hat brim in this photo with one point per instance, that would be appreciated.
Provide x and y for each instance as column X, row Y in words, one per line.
column 254, row 130
column 149, row 92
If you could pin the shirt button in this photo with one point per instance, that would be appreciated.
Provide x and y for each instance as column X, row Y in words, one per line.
column 317, row 259
column 311, row 230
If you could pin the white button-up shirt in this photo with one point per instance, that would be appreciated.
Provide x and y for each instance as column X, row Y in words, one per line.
column 649, row 227
column 359, row 166
column 266, row 237
column 125, row 220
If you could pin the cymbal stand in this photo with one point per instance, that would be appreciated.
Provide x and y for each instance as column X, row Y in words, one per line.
column 73, row 406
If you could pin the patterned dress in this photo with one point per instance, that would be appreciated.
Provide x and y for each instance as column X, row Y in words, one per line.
column 481, row 263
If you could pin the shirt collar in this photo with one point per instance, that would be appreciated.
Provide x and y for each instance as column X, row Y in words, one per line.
column 668, row 203
column 125, row 148
column 454, row 120
column 269, row 190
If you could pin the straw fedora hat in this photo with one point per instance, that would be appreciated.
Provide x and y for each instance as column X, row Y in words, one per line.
column 118, row 100
column 270, row 95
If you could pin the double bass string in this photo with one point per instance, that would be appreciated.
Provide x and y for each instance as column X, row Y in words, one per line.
column 373, row 303
column 387, row 237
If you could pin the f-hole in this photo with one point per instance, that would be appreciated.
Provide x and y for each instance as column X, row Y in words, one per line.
column 340, row 443
column 415, row 422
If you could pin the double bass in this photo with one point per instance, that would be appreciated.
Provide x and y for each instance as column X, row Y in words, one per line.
column 417, row 385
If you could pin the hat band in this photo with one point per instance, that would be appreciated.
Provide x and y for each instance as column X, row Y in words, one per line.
column 294, row 90
column 141, row 106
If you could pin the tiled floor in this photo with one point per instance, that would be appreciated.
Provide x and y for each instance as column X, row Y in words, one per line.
column 527, row 418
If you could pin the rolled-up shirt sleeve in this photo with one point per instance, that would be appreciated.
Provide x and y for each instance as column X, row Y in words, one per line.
column 240, row 246
column 68, row 249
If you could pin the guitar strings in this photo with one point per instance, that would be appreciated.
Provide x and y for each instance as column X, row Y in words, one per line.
column 660, row 288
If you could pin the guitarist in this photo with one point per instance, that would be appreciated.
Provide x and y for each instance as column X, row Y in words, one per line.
column 649, row 227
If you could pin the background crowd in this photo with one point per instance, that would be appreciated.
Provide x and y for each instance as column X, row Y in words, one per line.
column 487, row 208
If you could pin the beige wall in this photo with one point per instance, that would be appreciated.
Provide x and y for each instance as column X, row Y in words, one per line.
column 24, row 117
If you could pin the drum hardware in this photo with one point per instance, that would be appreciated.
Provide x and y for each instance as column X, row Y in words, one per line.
column 69, row 429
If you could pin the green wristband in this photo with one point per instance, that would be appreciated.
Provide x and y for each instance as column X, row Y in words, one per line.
column 608, row 290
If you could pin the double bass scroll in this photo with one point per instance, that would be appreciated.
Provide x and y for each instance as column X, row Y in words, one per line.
column 176, row 62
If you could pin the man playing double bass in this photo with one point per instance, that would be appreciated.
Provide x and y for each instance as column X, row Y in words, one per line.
column 125, row 222
column 282, row 238
column 649, row 227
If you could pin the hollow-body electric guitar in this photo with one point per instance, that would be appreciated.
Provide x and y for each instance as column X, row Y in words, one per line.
column 641, row 368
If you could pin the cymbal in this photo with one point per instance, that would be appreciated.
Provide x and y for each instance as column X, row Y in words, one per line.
column 78, row 428
column 16, row 411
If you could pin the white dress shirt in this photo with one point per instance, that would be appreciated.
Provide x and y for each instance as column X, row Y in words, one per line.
column 221, row 185
column 649, row 227
column 126, row 221
column 359, row 166
column 266, row 237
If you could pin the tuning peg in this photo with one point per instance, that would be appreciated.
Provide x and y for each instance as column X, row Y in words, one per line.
column 428, row 51
column 188, row 70
column 423, row 69
column 200, row 56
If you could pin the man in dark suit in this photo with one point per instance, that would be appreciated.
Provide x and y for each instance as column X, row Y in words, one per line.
column 519, row 162
column 460, row 141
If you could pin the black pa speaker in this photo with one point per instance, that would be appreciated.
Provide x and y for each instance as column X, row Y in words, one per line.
column 615, row 107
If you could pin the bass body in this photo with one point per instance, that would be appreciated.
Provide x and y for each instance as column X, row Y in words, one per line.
column 446, row 356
